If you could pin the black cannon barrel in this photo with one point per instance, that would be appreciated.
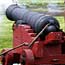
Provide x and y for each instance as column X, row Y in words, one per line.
column 36, row 20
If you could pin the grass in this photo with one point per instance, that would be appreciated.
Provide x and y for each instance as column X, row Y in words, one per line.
column 5, row 33
column 62, row 22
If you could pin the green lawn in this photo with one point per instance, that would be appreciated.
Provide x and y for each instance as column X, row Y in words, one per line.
column 5, row 33
column 62, row 23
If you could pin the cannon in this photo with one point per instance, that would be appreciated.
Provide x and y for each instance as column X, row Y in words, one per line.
column 36, row 20
column 37, row 39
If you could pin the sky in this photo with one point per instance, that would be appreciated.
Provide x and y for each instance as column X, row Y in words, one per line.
column 4, row 4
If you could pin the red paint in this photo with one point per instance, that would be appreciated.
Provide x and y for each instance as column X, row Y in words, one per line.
column 48, row 51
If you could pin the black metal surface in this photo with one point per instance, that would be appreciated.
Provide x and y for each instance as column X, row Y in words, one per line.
column 19, row 22
column 36, row 20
